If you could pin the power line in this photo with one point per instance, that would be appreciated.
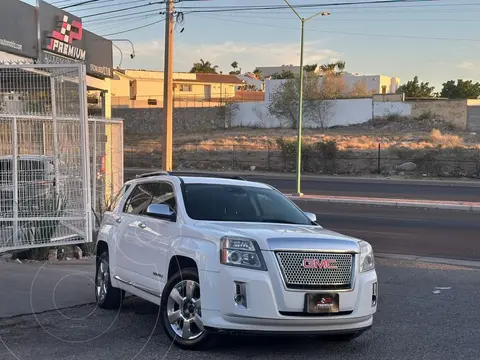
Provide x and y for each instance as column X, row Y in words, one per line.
column 390, row 4
column 133, row 29
column 123, row 9
column 345, row 33
column 79, row 4
column 115, row 5
column 386, row 19
column 123, row 16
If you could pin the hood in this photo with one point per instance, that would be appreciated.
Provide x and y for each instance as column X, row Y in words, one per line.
column 272, row 237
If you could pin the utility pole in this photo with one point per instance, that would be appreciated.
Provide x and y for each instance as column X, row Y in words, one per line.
column 300, row 102
column 167, row 128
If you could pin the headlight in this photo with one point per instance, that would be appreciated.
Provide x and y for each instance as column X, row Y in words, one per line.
column 242, row 252
column 367, row 261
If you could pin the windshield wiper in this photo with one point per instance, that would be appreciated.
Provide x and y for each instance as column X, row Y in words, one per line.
column 280, row 221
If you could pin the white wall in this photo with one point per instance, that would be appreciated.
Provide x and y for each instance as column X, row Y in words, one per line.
column 391, row 108
column 342, row 112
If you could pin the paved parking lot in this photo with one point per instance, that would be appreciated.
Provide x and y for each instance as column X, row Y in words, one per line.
column 426, row 311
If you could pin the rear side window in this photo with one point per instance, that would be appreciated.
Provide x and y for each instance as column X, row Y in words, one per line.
column 150, row 193
column 116, row 199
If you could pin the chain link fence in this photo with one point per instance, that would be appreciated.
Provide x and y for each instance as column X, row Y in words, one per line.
column 321, row 160
column 44, row 177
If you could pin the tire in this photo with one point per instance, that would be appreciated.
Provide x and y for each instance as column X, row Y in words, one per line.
column 107, row 296
column 200, row 340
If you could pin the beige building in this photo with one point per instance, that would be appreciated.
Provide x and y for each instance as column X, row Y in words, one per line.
column 144, row 89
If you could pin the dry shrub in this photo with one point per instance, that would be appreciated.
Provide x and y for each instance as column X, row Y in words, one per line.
column 444, row 140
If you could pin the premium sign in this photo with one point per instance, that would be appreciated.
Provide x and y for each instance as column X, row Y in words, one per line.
column 62, row 39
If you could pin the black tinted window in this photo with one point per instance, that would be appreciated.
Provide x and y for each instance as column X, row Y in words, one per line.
column 150, row 193
column 240, row 203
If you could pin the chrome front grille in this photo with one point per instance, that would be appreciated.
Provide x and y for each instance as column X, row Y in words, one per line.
column 297, row 276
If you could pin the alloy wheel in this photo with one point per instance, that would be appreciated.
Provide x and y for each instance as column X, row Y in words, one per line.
column 184, row 310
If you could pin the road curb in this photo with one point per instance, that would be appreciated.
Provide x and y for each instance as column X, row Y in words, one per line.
column 429, row 259
column 393, row 203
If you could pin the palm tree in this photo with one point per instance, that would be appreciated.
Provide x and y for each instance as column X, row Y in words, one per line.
column 257, row 73
column 204, row 67
column 234, row 65
column 336, row 68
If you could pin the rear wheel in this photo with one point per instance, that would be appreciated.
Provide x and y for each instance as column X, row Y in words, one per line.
column 181, row 311
column 108, row 297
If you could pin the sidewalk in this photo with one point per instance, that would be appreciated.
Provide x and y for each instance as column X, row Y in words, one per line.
column 424, row 204
column 41, row 286
column 374, row 178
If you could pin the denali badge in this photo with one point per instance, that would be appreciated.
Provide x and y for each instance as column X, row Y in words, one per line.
column 319, row 264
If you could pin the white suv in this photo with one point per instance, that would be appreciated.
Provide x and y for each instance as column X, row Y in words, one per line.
column 226, row 255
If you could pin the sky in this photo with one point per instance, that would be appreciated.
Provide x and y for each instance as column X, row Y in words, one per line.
column 436, row 40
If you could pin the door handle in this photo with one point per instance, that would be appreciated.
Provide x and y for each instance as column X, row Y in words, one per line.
column 142, row 225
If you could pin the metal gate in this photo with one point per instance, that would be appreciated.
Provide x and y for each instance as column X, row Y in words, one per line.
column 45, row 197
column 473, row 118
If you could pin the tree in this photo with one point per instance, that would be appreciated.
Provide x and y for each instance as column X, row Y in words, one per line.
column 415, row 89
column 359, row 89
column 310, row 68
column 285, row 74
column 204, row 67
column 285, row 102
column 257, row 73
column 336, row 68
column 235, row 67
column 463, row 89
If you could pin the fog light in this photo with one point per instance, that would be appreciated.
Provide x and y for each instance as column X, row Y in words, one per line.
column 240, row 296
column 374, row 294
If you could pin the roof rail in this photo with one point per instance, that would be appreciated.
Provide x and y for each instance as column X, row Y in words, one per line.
column 153, row 173
column 203, row 174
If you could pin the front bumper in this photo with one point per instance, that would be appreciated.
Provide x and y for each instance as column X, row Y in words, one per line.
column 272, row 308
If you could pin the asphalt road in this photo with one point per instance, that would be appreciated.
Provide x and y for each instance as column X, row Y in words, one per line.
column 338, row 186
column 422, row 232
column 412, row 322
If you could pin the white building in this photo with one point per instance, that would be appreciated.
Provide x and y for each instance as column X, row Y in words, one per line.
column 376, row 84
column 250, row 79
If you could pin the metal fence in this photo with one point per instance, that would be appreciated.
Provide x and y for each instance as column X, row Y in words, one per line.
column 269, row 157
column 106, row 162
column 44, row 156
column 186, row 100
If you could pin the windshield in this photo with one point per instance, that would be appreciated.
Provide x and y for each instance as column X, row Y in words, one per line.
column 214, row 202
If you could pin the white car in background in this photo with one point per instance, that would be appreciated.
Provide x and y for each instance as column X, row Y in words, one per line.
column 225, row 255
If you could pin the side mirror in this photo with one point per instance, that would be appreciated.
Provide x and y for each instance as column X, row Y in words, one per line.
column 311, row 216
column 161, row 211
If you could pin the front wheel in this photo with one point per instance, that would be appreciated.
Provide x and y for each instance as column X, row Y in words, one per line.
column 181, row 311
column 108, row 297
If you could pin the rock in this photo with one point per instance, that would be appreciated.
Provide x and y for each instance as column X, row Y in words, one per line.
column 19, row 261
column 68, row 259
column 77, row 252
column 392, row 172
column 52, row 254
column 424, row 175
column 402, row 174
column 408, row 166
column 253, row 168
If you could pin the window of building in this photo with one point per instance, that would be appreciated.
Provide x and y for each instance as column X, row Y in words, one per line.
column 185, row 87
column 152, row 101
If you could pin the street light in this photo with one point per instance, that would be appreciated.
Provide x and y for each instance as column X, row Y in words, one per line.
column 300, row 105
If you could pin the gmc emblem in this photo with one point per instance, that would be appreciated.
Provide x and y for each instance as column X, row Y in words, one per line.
column 319, row 264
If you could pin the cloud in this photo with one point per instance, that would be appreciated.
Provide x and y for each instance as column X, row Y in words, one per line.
column 150, row 55
column 467, row 65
